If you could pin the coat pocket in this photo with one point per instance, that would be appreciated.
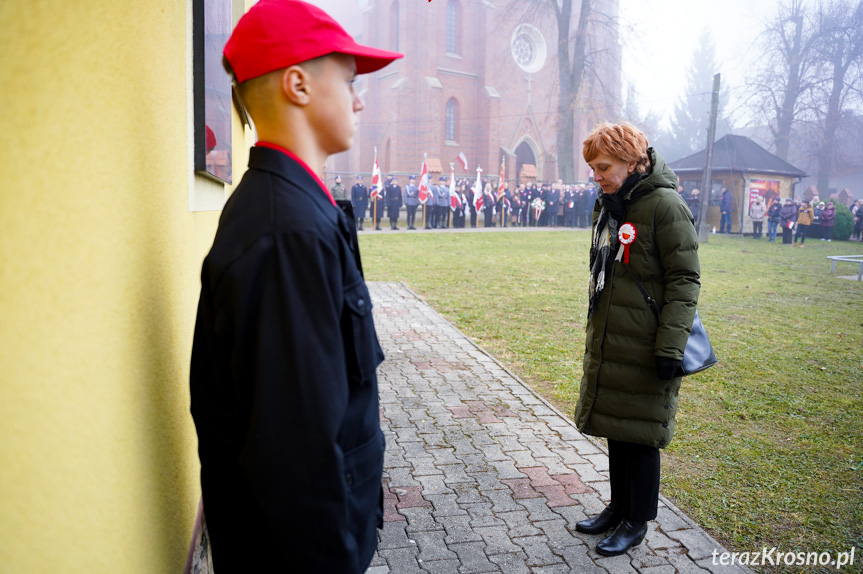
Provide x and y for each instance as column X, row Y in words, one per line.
column 361, row 342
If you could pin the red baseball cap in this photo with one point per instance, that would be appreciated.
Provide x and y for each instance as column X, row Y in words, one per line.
column 275, row 34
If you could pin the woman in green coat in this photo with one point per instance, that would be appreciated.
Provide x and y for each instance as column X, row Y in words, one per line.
column 644, row 230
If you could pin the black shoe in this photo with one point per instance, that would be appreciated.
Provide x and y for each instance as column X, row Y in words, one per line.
column 378, row 228
column 602, row 522
column 624, row 537
column 395, row 228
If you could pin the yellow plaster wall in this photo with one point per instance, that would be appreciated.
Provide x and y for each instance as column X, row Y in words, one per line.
column 99, row 277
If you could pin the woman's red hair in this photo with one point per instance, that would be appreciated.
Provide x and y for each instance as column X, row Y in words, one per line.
column 623, row 141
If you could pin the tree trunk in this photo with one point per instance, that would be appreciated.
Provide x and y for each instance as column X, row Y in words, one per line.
column 570, row 72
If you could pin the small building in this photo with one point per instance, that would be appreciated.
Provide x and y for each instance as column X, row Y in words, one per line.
column 746, row 169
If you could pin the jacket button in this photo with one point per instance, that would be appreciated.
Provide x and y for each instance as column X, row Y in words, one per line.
column 665, row 425
column 667, row 390
column 361, row 303
column 349, row 478
column 667, row 407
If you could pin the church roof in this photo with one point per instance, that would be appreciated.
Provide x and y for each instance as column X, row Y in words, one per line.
column 737, row 153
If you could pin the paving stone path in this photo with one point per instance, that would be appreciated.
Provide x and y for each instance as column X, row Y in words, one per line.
column 482, row 475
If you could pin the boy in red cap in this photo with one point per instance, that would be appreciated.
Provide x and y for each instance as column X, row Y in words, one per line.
column 283, row 383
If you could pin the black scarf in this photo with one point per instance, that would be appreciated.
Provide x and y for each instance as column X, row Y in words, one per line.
column 605, row 242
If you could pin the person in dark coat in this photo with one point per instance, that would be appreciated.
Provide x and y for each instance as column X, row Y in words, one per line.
column 284, row 394
column 471, row 205
column 725, row 211
column 360, row 201
column 629, row 390
column 411, row 193
column 553, row 203
column 773, row 218
column 787, row 218
column 377, row 205
column 488, row 207
column 568, row 201
column 394, row 202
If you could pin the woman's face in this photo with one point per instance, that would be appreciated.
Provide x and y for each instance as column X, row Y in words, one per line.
column 609, row 172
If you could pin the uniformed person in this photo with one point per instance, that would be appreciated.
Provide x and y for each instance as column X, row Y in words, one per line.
column 284, row 394
column 411, row 193
column 394, row 202
column 360, row 201
column 338, row 190
column 442, row 203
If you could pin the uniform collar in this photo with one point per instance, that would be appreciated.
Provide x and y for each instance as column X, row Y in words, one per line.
column 302, row 164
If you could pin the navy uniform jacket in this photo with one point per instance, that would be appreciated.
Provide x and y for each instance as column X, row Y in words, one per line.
column 283, row 383
column 360, row 199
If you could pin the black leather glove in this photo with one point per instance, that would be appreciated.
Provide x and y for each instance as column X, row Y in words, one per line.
column 667, row 368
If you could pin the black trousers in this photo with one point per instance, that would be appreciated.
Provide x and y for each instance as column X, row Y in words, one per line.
column 634, row 474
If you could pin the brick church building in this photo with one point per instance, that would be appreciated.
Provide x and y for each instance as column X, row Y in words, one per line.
column 479, row 78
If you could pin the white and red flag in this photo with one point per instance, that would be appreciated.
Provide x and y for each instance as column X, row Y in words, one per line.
column 500, row 190
column 424, row 184
column 454, row 199
column 477, row 190
column 376, row 178
column 462, row 160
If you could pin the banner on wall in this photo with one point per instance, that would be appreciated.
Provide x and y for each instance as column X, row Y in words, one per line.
column 767, row 189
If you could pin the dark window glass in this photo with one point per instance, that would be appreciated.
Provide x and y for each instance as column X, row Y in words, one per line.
column 212, row 89
column 394, row 26
column 451, row 120
column 452, row 27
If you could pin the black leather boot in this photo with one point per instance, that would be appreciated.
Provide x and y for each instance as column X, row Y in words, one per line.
column 605, row 520
column 624, row 537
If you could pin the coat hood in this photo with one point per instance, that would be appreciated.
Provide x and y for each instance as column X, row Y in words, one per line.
column 660, row 175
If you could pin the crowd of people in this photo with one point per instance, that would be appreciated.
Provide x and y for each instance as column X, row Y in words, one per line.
column 797, row 220
column 529, row 205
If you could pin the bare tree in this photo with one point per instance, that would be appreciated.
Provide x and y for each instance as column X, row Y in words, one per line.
column 785, row 72
column 840, row 55
column 571, row 61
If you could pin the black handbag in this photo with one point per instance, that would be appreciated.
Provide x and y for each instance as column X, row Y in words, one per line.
column 698, row 354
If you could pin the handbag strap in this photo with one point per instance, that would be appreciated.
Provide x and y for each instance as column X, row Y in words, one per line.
column 651, row 302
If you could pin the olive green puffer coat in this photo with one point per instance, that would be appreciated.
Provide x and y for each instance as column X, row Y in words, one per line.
column 621, row 396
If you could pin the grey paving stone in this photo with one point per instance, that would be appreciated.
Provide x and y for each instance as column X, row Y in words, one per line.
column 444, row 505
column 434, row 484
column 511, row 563
column 617, row 564
column 458, row 528
column 538, row 509
column 432, row 546
column 394, row 535
column 537, row 550
column 473, row 558
column 506, row 469
column 442, row 566
column 557, row 533
column 670, row 521
column 378, row 570
column 698, row 544
column 419, row 519
column 497, row 540
column 402, row 560
column 578, row 560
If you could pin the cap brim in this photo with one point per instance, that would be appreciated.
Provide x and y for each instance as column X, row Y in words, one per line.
column 369, row 59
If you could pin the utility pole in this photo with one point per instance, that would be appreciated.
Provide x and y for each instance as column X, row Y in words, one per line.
column 706, row 178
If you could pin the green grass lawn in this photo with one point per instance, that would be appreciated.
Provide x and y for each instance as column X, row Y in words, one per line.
column 768, row 449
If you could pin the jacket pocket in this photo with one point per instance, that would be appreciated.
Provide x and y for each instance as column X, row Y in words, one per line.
column 363, row 474
column 358, row 330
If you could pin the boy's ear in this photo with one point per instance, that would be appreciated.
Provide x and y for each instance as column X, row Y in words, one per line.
column 295, row 85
